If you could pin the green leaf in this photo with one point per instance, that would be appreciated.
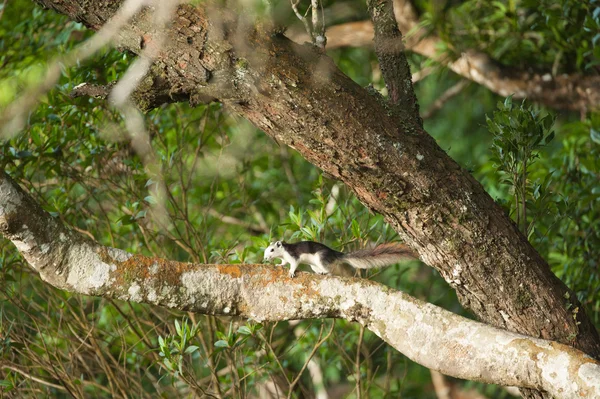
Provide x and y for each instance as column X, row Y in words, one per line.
column 151, row 200
column 355, row 229
column 126, row 220
column 6, row 384
column 244, row 330
column 191, row 349
column 595, row 135
column 222, row 344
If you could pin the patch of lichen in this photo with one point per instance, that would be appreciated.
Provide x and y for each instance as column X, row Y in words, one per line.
column 391, row 192
column 143, row 269
column 525, row 345
column 242, row 64
column 232, row 270
column 306, row 290
column 275, row 274
column 524, row 299
column 358, row 312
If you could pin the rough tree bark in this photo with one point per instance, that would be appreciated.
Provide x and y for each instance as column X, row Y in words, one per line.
column 431, row 336
column 298, row 96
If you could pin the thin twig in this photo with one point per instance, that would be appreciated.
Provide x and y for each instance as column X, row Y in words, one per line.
column 237, row 222
column 3, row 8
column 31, row 377
column 444, row 97
column 422, row 74
column 301, row 17
column 310, row 356
column 357, row 360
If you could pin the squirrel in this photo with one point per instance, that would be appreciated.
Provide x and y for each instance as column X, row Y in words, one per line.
column 322, row 259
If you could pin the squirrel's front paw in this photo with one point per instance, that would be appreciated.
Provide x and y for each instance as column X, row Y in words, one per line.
column 292, row 274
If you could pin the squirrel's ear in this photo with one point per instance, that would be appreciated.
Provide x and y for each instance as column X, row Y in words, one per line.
column 278, row 243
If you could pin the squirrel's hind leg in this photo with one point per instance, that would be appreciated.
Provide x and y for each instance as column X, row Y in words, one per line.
column 319, row 266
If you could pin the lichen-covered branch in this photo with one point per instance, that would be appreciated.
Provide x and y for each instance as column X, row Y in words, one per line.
column 429, row 335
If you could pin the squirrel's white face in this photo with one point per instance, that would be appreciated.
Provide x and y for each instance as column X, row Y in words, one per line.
column 274, row 250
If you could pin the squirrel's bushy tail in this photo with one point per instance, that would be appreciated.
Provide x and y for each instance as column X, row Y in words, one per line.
column 381, row 255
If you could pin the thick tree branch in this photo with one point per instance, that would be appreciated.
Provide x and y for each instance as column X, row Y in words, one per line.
column 298, row 96
column 569, row 92
column 151, row 93
column 429, row 335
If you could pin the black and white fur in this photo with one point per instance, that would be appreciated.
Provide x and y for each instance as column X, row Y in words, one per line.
column 321, row 258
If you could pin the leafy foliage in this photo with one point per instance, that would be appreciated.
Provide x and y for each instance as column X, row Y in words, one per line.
column 557, row 36
column 518, row 134
column 229, row 190
column 554, row 195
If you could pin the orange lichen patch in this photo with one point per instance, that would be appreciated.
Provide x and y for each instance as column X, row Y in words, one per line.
column 306, row 289
column 140, row 267
column 362, row 153
column 266, row 274
column 275, row 275
column 243, row 308
column 233, row 270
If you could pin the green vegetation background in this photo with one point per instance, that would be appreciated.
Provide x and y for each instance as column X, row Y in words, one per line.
column 231, row 189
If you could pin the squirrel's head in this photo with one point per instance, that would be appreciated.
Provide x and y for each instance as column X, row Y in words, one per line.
column 274, row 250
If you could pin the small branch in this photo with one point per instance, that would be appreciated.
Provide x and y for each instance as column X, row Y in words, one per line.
column 253, row 228
column 441, row 100
column 3, row 8
column 392, row 61
column 302, row 18
column 357, row 361
column 318, row 24
column 287, row 168
column 91, row 90
column 441, row 387
column 316, row 28
column 310, row 356
column 314, row 7
column 146, row 96
column 422, row 74
column 34, row 378
column 445, row 389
